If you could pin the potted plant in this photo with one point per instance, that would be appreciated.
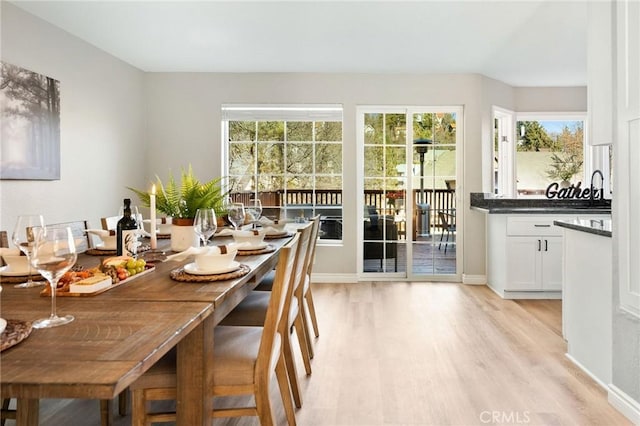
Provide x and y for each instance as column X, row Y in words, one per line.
column 180, row 201
column 564, row 168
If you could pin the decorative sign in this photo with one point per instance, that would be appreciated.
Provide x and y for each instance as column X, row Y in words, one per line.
column 573, row 191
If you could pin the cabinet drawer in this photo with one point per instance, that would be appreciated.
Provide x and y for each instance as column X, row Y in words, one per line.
column 528, row 225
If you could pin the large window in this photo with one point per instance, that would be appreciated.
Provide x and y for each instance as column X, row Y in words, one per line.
column 290, row 157
column 532, row 150
column 547, row 151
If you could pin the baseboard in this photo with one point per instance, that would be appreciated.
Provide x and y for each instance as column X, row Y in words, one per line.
column 622, row 402
column 584, row 369
column 333, row 278
column 474, row 279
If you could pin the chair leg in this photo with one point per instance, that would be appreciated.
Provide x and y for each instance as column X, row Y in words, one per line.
column 291, row 369
column 302, row 340
column 263, row 403
column 440, row 244
column 312, row 311
column 6, row 412
column 283, row 383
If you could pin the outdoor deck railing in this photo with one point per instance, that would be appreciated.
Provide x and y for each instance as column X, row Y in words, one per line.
column 437, row 199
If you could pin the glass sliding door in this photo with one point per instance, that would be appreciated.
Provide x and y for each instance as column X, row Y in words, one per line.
column 409, row 186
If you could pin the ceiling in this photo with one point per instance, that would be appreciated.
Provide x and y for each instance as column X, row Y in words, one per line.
column 522, row 43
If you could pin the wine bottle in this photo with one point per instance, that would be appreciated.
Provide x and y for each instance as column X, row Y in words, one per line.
column 127, row 232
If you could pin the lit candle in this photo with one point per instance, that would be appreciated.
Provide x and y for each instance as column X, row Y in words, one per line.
column 152, row 207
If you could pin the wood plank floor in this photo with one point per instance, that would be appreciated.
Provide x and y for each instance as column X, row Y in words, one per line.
column 426, row 354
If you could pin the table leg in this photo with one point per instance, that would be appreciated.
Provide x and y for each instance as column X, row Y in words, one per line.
column 27, row 412
column 195, row 375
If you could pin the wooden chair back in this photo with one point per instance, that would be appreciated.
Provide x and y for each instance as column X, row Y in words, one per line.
column 272, row 323
column 300, row 265
column 78, row 228
column 313, row 240
column 4, row 239
column 109, row 223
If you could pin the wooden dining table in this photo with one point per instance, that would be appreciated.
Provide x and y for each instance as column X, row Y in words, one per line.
column 119, row 334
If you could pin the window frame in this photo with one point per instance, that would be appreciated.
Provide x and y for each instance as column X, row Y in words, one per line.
column 594, row 157
column 285, row 113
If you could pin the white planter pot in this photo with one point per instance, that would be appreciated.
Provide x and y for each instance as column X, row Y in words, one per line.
column 183, row 237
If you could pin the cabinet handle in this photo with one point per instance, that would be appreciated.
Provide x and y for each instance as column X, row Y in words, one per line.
column 546, row 245
column 539, row 245
column 541, row 226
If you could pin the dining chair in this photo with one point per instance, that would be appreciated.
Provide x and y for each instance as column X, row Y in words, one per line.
column 253, row 309
column 245, row 359
column 78, row 228
column 109, row 223
column 309, row 310
column 446, row 227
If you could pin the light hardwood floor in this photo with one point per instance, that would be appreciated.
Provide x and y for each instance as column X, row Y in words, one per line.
column 426, row 354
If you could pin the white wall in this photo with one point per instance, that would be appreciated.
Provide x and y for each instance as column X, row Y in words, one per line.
column 184, row 127
column 102, row 124
column 120, row 127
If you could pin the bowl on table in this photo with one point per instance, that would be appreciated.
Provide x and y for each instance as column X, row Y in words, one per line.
column 251, row 239
column 215, row 261
column 16, row 261
column 163, row 225
column 107, row 238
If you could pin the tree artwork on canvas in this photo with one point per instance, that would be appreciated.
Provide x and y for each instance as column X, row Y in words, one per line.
column 30, row 111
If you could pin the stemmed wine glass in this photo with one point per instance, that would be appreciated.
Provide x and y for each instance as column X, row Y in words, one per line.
column 24, row 238
column 205, row 224
column 54, row 253
column 254, row 211
column 235, row 212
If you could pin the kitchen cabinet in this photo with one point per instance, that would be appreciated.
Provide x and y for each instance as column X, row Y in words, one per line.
column 525, row 254
column 600, row 72
column 534, row 263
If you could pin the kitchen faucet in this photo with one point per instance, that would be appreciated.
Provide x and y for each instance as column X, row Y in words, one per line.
column 592, row 189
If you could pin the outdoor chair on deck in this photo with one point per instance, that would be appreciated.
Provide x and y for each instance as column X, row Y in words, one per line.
column 375, row 229
column 446, row 227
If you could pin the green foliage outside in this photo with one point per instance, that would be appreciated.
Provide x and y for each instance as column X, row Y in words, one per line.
column 566, row 148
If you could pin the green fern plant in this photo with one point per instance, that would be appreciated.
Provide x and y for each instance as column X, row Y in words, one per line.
column 182, row 200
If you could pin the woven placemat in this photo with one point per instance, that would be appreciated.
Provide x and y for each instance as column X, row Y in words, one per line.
column 268, row 249
column 277, row 236
column 180, row 275
column 19, row 279
column 96, row 252
column 15, row 332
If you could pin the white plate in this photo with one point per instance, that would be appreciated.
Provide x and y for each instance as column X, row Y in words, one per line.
column 6, row 271
column 191, row 268
column 245, row 247
column 103, row 247
column 3, row 325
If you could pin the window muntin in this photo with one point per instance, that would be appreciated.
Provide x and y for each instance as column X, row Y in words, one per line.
column 289, row 156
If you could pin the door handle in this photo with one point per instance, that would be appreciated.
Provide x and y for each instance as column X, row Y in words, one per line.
column 539, row 245
column 537, row 225
column 546, row 245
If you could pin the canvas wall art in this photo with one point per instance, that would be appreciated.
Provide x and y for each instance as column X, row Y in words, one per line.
column 30, row 121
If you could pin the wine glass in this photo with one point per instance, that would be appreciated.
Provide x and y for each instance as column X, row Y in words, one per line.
column 254, row 211
column 54, row 253
column 24, row 237
column 205, row 224
column 235, row 212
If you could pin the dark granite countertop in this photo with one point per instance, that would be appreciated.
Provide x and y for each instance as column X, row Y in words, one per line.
column 491, row 204
column 591, row 226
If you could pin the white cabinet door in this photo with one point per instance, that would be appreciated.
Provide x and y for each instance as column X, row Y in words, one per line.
column 552, row 263
column 523, row 263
